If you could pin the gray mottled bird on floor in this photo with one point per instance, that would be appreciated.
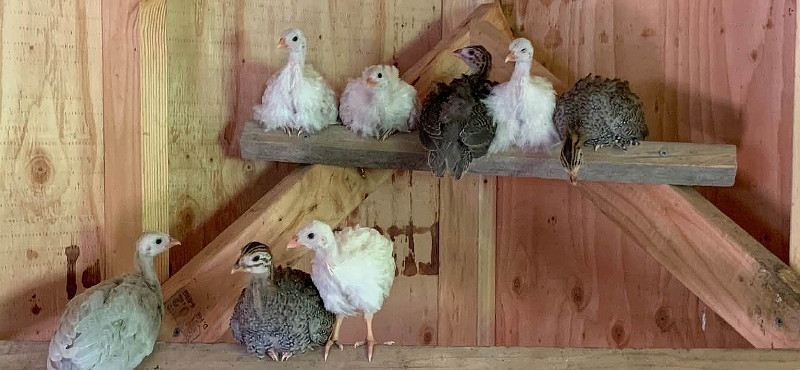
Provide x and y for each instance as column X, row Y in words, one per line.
column 280, row 312
column 455, row 125
column 114, row 324
column 597, row 112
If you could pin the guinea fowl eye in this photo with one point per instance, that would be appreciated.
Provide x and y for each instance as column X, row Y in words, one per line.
column 256, row 258
column 380, row 75
column 158, row 241
column 294, row 38
column 524, row 50
column 311, row 235
column 471, row 52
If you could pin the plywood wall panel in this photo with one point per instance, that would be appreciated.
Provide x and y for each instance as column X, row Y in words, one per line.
column 51, row 145
column 707, row 71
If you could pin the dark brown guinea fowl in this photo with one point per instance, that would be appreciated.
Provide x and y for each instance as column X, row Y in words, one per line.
column 455, row 126
column 597, row 112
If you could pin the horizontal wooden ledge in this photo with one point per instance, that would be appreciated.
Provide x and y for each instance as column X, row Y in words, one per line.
column 652, row 162
column 168, row 356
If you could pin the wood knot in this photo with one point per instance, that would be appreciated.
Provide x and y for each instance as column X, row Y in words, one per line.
column 618, row 334
column 578, row 295
column 516, row 285
column 427, row 335
column 40, row 169
column 664, row 319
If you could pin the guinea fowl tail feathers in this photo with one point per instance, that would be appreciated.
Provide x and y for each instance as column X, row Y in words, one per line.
column 462, row 164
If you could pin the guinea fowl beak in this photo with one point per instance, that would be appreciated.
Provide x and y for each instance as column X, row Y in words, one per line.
column 371, row 82
column 573, row 177
column 511, row 58
column 294, row 243
column 457, row 53
column 173, row 242
column 235, row 268
column 282, row 43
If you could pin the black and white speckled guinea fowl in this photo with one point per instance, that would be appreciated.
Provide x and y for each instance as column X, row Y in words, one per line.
column 597, row 112
column 280, row 312
column 455, row 125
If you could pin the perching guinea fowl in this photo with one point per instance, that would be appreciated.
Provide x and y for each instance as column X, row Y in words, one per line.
column 597, row 112
column 296, row 97
column 379, row 103
column 114, row 324
column 455, row 126
column 353, row 270
column 523, row 107
column 280, row 312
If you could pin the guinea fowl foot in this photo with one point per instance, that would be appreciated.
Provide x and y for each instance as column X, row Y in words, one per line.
column 328, row 346
column 273, row 355
column 285, row 356
column 371, row 346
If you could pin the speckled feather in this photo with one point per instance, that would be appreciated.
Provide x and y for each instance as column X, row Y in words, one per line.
column 285, row 314
column 455, row 126
column 604, row 111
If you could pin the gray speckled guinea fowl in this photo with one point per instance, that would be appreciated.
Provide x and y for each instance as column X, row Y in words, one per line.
column 114, row 324
column 280, row 312
column 597, row 112
column 455, row 125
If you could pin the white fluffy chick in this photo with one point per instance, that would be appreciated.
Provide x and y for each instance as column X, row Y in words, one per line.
column 379, row 103
column 296, row 97
column 522, row 107
column 353, row 271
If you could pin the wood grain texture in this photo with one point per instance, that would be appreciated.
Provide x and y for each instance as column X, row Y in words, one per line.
column 175, row 356
column 122, row 135
column 567, row 276
column 154, row 123
column 738, row 278
column 652, row 162
column 200, row 297
column 794, row 232
column 708, row 72
column 51, row 158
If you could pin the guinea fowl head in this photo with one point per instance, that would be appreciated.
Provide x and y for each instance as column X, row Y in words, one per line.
column 293, row 39
column 317, row 236
column 380, row 76
column 254, row 258
column 477, row 58
column 521, row 50
column 152, row 243
column 572, row 154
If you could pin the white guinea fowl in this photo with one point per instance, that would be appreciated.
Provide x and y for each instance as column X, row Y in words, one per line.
column 522, row 107
column 353, row 271
column 114, row 324
column 379, row 103
column 296, row 97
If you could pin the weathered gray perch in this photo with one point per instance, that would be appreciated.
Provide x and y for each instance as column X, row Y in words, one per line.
column 652, row 162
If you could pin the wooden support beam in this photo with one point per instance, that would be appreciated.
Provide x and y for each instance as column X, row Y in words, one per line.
column 794, row 219
column 652, row 162
column 199, row 298
column 181, row 356
column 154, row 123
column 756, row 293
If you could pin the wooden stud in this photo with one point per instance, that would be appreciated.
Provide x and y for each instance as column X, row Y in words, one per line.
column 154, row 123
column 794, row 219
column 181, row 356
column 743, row 282
column 200, row 297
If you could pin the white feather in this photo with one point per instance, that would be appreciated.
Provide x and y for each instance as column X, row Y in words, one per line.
column 296, row 97
column 522, row 108
column 355, row 269
column 377, row 111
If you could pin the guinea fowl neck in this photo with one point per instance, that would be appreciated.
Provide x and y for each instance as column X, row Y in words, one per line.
column 148, row 268
column 297, row 56
column 262, row 281
column 522, row 70
column 481, row 70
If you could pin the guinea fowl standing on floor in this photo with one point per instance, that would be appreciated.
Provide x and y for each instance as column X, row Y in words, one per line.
column 353, row 270
column 296, row 97
column 523, row 107
column 280, row 312
column 379, row 103
column 114, row 324
column 597, row 112
column 455, row 126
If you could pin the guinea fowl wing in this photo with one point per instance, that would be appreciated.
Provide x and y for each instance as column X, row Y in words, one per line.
column 430, row 122
column 306, row 303
column 113, row 324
